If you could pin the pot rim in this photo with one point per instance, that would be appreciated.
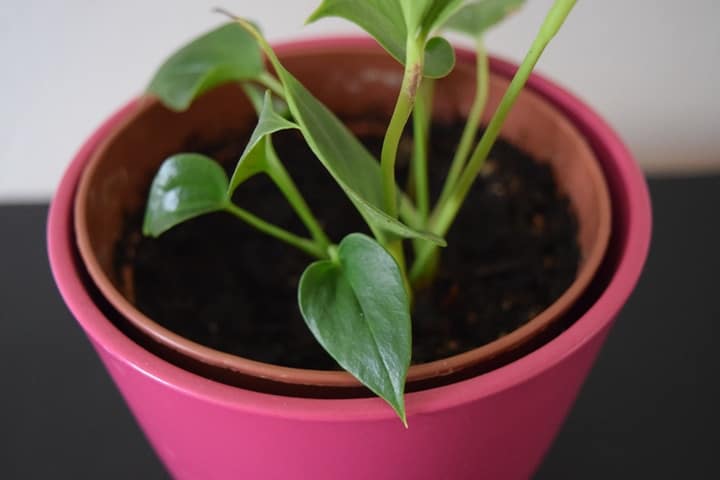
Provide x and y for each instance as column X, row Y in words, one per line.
column 105, row 335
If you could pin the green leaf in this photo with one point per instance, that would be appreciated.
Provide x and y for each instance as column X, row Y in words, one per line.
column 254, row 158
column 478, row 16
column 385, row 21
column 345, row 158
column 439, row 12
column 413, row 13
column 357, row 308
column 186, row 186
column 441, row 54
column 228, row 53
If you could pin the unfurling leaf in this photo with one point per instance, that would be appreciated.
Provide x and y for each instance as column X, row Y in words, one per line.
column 357, row 308
column 186, row 186
column 228, row 53
column 478, row 16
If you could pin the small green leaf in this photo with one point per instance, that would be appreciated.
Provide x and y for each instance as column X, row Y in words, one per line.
column 254, row 158
column 441, row 57
column 385, row 21
column 478, row 16
column 357, row 308
column 186, row 186
column 225, row 54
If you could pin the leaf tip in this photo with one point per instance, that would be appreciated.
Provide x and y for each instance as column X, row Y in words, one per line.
column 224, row 11
column 314, row 16
column 399, row 406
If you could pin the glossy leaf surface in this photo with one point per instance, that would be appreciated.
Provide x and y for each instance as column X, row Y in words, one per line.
column 228, row 53
column 357, row 308
column 186, row 185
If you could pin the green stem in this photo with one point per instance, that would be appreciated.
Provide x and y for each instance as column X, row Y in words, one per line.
column 447, row 211
column 306, row 245
column 422, row 113
column 272, row 83
column 409, row 214
column 277, row 172
column 403, row 107
column 471, row 126
column 400, row 116
column 287, row 186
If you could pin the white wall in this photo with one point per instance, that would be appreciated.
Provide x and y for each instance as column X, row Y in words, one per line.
column 649, row 66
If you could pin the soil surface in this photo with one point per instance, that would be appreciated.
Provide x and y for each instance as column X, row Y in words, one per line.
column 511, row 252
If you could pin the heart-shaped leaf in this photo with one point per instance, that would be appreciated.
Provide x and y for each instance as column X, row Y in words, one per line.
column 385, row 21
column 254, row 158
column 228, row 53
column 357, row 308
column 186, row 186
column 478, row 16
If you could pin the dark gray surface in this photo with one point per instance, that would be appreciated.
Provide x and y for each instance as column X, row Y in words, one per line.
column 648, row 410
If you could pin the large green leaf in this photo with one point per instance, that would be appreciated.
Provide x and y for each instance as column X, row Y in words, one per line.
column 357, row 308
column 255, row 157
column 186, row 186
column 385, row 21
column 348, row 161
column 225, row 54
column 478, row 16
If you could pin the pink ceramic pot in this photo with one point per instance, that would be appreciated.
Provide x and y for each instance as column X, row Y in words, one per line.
column 497, row 425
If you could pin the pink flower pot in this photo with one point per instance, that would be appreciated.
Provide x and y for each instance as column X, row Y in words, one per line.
column 497, row 425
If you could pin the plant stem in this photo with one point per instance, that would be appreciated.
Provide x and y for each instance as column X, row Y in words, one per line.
column 285, row 183
column 482, row 75
column 280, row 176
column 306, row 245
column 447, row 211
column 400, row 116
column 272, row 83
column 422, row 113
column 403, row 107
column 409, row 214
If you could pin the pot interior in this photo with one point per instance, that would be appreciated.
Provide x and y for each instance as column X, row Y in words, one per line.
column 358, row 85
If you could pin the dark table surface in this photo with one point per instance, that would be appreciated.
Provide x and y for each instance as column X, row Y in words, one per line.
column 650, row 408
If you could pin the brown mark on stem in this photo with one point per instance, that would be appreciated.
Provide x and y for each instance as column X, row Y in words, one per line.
column 414, row 82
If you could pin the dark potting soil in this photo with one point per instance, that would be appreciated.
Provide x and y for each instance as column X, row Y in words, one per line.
column 512, row 251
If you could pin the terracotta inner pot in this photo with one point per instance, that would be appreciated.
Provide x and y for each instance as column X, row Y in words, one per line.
column 356, row 82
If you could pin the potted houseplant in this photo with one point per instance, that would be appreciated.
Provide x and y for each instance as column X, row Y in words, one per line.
column 205, row 428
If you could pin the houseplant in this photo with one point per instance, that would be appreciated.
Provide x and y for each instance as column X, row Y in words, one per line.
column 434, row 408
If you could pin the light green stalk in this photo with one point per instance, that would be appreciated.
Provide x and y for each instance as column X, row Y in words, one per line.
column 285, row 183
column 306, row 245
column 422, row 114
column 412, row 77
column 482, row 76
column 446, row 212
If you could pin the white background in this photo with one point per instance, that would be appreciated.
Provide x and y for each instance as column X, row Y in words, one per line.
column 649, row 66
